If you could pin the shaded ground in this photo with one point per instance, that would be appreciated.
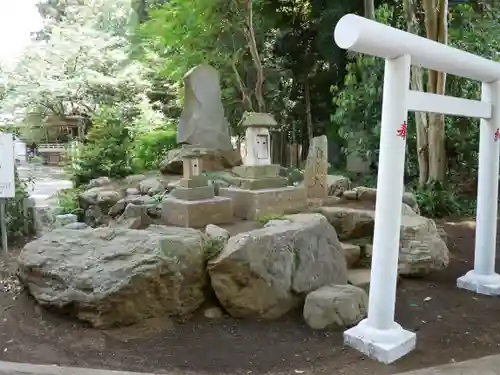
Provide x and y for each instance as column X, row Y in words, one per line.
column 454, row 325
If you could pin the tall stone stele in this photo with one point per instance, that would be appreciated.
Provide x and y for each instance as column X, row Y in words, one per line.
column 316, row 171
column 193, row 203
column 261, row 191
column 203, row 123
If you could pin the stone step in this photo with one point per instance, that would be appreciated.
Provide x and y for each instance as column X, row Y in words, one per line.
column 359, row 277
column 352, row 254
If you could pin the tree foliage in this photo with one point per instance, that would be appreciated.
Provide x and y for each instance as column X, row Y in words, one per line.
column 83, row 63
column 96, row 57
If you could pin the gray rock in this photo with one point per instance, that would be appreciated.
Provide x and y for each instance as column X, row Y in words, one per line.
column 360, row 278
column 115, row 277
column 276, row 223
column 104, row 197
column 350, row 222
column 213, row 313
column 98, row 182
column 94, row 216
column 422, row 249
column 76, row 226
column 151, row 186
column 411, row 200
column 215, row 231
column 132, row 191
column 134, row 217
column 63, row 220
column 134, row 179
column 337, row 185
column 119, row 207
column 335, row 306
column 264, row 272
column 352, row 254
column 154, row 210
column 44, row 219
column 212, row 160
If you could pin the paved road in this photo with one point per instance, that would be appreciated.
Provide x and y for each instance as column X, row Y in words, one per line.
column 482, row 366
column 45, row 181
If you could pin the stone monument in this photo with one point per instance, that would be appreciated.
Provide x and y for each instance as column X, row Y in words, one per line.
column 261, row 190
column 316, row 172
column 202, row 121
column 193, row 203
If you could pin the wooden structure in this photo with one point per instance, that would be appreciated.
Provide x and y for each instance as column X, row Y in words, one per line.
column 59, row 132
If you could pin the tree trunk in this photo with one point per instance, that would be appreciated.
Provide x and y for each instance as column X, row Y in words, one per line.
column 369, row 7
column 417, row 84
column 436, row 25
column 309, row 122
column 257, row 62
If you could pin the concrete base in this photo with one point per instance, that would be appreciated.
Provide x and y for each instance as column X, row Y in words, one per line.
column 197, row 214
column 385, row 346
column 254, row 204
column 482, row 284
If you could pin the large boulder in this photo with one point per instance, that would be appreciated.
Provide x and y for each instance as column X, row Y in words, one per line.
column 350, row 222
column 211, row 160
column 115, row 277
column 264, row 272
column 422, row 249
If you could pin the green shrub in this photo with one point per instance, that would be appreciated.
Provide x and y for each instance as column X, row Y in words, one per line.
column 263, row 220
column 212, row 247
column 68, row 201
column 150, row 148
column 107, row 148
column 434, row 200
column 16, row 221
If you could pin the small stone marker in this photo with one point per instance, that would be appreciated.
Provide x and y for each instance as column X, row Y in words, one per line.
column 316, row 172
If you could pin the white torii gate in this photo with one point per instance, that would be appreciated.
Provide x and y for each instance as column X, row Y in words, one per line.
column 379, row 336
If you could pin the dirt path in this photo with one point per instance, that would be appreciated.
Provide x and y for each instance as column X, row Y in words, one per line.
column 44, row 181
column 454, row 325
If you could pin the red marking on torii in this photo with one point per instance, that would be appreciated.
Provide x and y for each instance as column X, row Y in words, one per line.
column 497, row 135
column 402, row 130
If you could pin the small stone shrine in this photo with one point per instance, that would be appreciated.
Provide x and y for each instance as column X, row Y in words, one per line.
column 193, row 203
column 261, row 190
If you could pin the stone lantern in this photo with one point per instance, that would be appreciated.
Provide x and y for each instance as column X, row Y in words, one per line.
column 193, row 202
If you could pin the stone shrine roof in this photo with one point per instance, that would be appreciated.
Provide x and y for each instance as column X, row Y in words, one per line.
column 256, row 119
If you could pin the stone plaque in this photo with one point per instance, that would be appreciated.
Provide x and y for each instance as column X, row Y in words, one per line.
column 316, row 172
column 262, row 146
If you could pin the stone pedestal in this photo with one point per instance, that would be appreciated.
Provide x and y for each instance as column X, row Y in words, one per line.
column 193, row 204
column 263, row 192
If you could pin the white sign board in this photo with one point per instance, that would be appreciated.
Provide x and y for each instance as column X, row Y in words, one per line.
column 7, row 161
